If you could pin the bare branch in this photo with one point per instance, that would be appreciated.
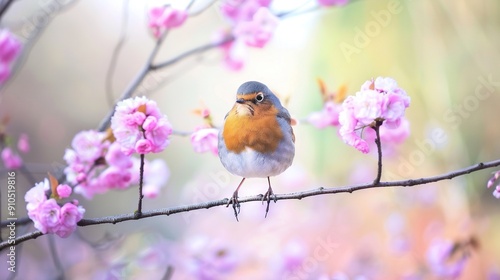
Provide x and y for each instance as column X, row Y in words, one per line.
column 296, row 195
column 5, row 7
column 116, row 53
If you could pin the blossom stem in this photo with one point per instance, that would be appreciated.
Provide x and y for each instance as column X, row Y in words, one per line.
column 138, row 213
column 378, row 123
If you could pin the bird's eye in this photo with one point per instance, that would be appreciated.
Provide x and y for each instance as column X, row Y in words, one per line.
column 259, row 97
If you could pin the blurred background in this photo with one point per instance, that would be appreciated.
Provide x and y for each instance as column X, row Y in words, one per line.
column 444, row 53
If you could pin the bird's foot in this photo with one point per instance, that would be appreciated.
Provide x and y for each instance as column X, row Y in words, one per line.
column 236, row 204
column 267, row 197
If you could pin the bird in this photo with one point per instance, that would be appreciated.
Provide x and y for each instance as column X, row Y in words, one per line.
column 257, row 139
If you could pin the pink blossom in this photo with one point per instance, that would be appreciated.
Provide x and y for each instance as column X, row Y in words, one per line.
column 156, row 175
column 294, row 254
column 117, row 158
column 496, row 192
column 440, row 261
column 128, row 128
column 328, row 116
column 210, row 259
column 242, row 10
column 36, row 195
column 95, row 170
column 234, row 54
column 64, row 191
column 10, row 47
column 378, row 100
column 327, row 3
column 162, row 18
column 258, row 31
column 46, row 217
column 144, row 146
column 70, row 215
column 395, row 135
column 115, row 177
column 205, row 140
column 10, row 159
column 89, row 145
column 23, row 143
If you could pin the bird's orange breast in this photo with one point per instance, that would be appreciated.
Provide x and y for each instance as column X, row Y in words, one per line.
column 258, row 130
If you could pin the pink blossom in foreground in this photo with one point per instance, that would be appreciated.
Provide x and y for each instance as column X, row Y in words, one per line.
column 205, row 140
column 328, row 3
column 162, row 18
column 440, row 261
column 23, row 143
column 47, row 215
column 379, row 100
column 259, row 31
column 138, row 126
column 10, row 159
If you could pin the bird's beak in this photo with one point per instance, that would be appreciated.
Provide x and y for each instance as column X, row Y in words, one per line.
column 240, row 101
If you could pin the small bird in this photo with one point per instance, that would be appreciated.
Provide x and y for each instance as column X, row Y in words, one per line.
column 257, row 139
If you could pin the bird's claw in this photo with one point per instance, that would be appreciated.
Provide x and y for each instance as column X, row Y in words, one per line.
column 267, row 197
column 236, row 205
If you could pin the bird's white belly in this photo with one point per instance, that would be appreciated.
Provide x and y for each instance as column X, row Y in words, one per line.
column 250, row 163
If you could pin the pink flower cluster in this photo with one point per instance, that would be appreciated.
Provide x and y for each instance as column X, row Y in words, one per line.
column 10, row 158
column 378, row 100
column 253, row 26
column 47, row 215
column 138, row 126
column 165, row 17
column 95, row 166
column 492, row 181
column 205, row 139
column 10, row 47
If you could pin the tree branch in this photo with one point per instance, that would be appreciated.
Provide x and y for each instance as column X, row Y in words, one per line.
column 296, row 195
column 5, row 7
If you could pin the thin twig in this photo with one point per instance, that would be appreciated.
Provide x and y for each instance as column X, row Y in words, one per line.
column 5, row 7
column 19, row 221
column 116, row 53
column 138, row 213
column 146, row 68
column 296, row 195
column 378, row 123
column 191, row 52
